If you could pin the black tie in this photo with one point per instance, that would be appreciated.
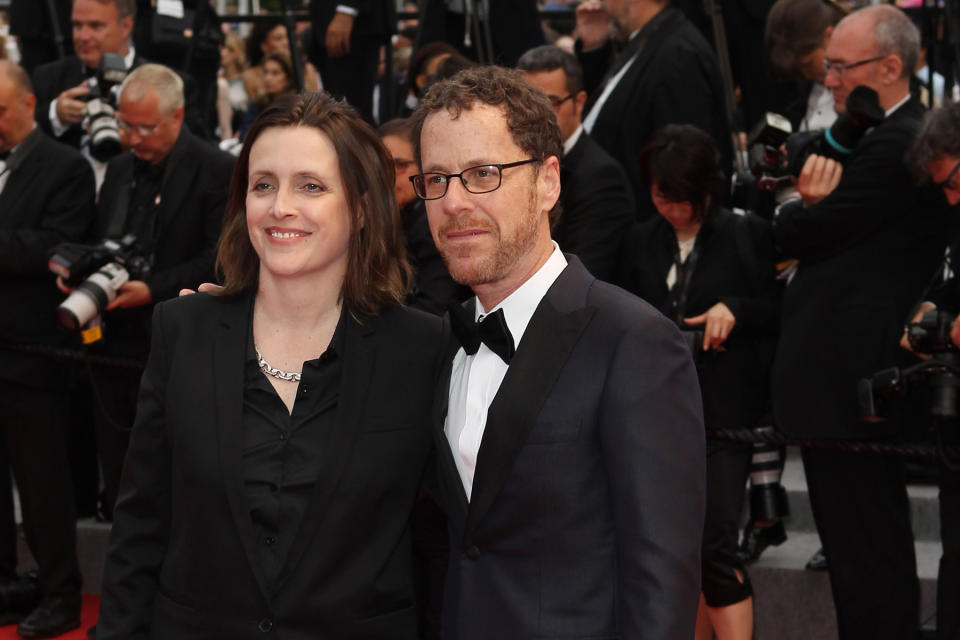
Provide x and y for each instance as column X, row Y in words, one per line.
column 4, row 156
column 492, row 330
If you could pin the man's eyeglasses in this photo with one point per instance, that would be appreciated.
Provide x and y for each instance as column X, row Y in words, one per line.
column 141, row 130
column 947, row 183
column 480, row 179
column 556, row 101
column 841, row 67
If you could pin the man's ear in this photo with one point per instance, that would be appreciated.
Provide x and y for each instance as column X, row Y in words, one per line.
column 579, row 100
column 891, row 68
column 126, row 25
column 548, row 182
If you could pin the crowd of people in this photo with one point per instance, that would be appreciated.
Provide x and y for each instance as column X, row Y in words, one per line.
column 473, row 291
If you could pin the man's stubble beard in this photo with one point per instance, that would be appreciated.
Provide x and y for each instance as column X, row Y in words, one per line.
column 498, row 263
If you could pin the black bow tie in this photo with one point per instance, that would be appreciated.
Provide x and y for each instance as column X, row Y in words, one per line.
column 5, row 156
column 492, row 330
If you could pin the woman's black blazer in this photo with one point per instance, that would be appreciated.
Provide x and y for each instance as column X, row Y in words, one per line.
column 182, row 562
column 736, row 266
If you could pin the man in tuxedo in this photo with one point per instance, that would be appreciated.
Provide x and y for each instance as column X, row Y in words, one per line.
column 169, row 191
column 99, row 26
column 46, row 197
column 568, row 421
column 665, row 74
column 596, row 203
column 867, row 242
column 348, row 35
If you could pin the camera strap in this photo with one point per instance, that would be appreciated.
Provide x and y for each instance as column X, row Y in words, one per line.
column 678, row 292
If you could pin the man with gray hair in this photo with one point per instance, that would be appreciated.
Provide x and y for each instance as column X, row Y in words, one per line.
column 169, row 191
column 867, row 241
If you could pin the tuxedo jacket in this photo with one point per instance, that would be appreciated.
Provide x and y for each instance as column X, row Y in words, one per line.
column 48, row 199
column 596, row 207
column 193, row 197
column 735, row 266
column 376, row 19
column 675, row 79
column 866, row 253
column 588, row 497
column 514, row 27
column 183, row 561
column 53, row 78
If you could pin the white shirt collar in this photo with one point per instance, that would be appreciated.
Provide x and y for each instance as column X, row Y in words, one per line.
column 572, row 141
column 519, row 306
column 902, row 102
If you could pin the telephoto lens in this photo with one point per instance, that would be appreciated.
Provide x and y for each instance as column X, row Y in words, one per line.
column 92, row 296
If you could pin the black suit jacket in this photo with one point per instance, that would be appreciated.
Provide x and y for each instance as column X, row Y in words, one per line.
column 675, row 79
column 514, row 28
column 735, row 266
column 51, row 79
column 194, row 195
column 48, row 199
column 433, row 288
column 183, row 562
column 596, row 207
column 866, row 252
column 588, row 498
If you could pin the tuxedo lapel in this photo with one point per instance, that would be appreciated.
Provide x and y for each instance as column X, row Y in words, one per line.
column 358, row 360
column 180, row 179
column 556, row 326
column 229, row 349
column 447, row 467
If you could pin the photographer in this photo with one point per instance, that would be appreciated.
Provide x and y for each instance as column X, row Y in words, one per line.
column 169, row 191
column 867, row 241
column 46, row 197
column 935, row 158
column 65, row 88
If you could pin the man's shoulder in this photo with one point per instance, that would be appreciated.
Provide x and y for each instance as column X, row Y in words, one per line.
column 54, row 157
column 52, row 72
column 588, row 155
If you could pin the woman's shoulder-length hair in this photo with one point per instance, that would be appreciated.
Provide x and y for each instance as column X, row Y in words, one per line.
column 378, row 273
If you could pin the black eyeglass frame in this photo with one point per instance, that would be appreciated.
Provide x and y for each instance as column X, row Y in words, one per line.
column 842, row 67
column 945, row 183
column 557, row 101
column 421, row 190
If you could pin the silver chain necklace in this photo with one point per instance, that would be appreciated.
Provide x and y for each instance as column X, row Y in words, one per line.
column 289, row 376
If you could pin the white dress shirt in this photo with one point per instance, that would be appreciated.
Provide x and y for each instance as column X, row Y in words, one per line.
column 475, row 380
column 591, row 118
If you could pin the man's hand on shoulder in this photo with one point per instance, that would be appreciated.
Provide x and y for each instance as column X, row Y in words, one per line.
column 818, row 178
column 134, row 293
column 206, row 287
column 593, row 24
column 69, row 106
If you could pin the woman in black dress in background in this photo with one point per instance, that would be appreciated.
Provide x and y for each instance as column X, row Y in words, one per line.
column 711, row 271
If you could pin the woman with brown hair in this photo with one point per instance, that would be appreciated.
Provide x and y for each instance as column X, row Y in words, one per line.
column 277, row 81
column 283, row 424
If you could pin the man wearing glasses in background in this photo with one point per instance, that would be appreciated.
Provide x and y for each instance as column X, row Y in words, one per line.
column 169, row 191
column 596, row 202
column 868, row 241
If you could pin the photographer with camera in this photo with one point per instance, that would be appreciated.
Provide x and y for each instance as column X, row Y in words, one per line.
column 169, row 193
column 46, row 197
column 935, row 158
column 867, row 241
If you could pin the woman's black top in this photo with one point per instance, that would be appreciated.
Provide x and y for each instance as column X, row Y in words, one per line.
column 734, row 264
column 281, row 449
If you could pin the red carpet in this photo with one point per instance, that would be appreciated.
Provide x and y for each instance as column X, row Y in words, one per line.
column 88, row 618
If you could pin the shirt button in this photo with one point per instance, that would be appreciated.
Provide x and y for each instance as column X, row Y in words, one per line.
column 271, row 540
column 303, row 390
column 265, row 625
column 283, row 437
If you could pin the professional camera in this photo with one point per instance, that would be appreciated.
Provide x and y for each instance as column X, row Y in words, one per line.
column 771, row 168
column 936, row 380
column 95, row 272
column 101, row 106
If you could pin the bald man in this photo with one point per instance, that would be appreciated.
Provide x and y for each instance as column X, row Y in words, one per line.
column 46, row 197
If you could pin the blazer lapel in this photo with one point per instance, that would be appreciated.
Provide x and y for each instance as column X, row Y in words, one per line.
column 229, row 348
column 554, row 330
column 358, row 362
column 179, row 181
column 456, row 503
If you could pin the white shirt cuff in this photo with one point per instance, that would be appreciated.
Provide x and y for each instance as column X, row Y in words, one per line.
column 58, row 127
column 350, row 11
